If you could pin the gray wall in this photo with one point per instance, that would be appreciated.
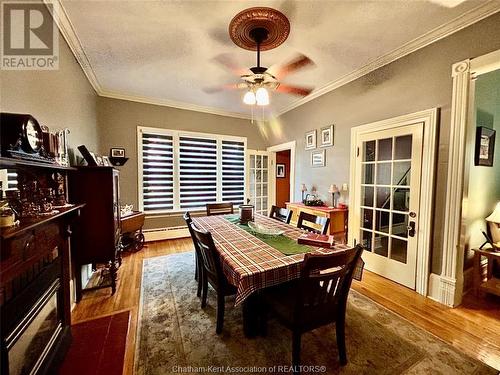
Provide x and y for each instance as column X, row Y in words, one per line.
column 57, row 98
column 419, row 81
column 118, row 121
column 484, row 182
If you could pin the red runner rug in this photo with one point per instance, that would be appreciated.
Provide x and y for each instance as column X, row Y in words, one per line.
column 98, row 346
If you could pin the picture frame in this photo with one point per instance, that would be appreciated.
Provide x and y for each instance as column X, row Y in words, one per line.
column 88, row 156
column 117, row 152
column 310, row 140
column 105, row 161
column 326, row 136
column 99, row 161
column 318, row 158
column 485, row 146
column 280, row 171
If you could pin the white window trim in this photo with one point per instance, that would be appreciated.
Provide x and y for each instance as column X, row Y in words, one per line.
column 176, row 134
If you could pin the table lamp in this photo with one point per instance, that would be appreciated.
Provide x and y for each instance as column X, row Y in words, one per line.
column 334, row 190
column 303, row 189
column 494, row 225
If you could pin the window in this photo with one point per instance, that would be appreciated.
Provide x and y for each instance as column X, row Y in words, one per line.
column 183, row 170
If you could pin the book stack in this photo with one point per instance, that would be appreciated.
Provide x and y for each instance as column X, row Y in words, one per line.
column 313, row 239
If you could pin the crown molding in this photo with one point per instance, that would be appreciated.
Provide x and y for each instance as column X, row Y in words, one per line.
column 173, row 104
column 68, row 31
column 472, row 16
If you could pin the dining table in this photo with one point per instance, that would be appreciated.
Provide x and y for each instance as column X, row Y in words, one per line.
column 252, row 261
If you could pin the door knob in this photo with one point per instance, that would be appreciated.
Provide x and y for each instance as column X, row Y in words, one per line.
column 411, row 229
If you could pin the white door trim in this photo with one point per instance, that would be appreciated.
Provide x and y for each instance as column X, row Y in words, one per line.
column 451, row 279
column 430, row 120
column 272, row 172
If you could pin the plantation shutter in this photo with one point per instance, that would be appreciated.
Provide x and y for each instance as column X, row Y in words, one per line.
column 233, row 172
column 158, row 172
column 197, row 172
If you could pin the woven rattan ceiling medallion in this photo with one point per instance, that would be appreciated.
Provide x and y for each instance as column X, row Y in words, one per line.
column 270, row 25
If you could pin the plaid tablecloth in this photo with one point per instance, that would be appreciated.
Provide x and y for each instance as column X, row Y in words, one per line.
column 249, row 263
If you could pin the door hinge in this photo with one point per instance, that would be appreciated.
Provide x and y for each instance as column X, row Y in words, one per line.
column 357, row 152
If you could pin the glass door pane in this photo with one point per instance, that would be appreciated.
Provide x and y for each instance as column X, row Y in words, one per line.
column 385, row 196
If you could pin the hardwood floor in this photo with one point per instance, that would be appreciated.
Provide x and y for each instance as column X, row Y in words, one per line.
column 472, row 327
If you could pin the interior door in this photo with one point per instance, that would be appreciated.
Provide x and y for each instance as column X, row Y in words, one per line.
column 388, row 198
column 258, row 180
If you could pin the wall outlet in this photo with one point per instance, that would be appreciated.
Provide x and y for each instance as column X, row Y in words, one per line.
column 344, row 186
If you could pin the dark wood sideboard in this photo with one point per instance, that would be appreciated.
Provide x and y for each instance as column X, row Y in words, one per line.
column 35, row 298
column 96, row 239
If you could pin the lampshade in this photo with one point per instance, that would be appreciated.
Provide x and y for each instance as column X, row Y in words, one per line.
column 249, row 98
column 333, row 189
column 303, row 187
column 262, row 96
column 495, row 215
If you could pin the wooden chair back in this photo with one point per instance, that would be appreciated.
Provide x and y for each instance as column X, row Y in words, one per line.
column 209, row 255
column 282, row 214
column 313, row 223
column 325, row 281
column 219, row 208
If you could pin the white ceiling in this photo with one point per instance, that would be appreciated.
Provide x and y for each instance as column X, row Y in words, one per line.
column 162, row 51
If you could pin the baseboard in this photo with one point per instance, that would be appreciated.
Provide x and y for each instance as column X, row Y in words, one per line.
column 160, row 234
column 442, row 289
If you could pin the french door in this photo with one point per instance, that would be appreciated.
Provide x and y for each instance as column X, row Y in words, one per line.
column 388, row 173
column 258, row 180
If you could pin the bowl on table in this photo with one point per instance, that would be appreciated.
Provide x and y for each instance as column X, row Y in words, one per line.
column 262, row 229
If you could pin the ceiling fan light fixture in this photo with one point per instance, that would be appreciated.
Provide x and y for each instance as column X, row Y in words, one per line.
column 249, row 98
column 262, row 96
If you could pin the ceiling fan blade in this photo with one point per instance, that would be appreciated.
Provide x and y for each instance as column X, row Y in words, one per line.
column 214, row 89
column 294, row 90
column 227, row 61
column 298, row 62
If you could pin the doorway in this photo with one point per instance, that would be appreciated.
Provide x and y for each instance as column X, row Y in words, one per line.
column 282, row 180
column 282, row 173
column 391, row 209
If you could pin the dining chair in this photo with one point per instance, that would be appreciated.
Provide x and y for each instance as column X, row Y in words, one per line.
column 317, row 298
column 198, row 271
column 219, row 208
column 306, row 219
column 212, row 274
column 282, row 214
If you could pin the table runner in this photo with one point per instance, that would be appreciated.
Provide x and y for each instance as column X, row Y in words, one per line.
column 249, row 263
column 281, row 243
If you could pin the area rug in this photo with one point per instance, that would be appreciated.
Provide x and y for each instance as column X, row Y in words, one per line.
column 176, row 336
column 98, row 346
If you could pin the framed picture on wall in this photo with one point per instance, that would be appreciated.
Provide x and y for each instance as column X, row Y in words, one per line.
column 280, row 170
column 311, row 140
column 485, row 146
column 117, row 152
column 318, row 158
column 326, row 136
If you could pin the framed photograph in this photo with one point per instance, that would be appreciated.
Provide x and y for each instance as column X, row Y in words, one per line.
column 318, row 158
column 311, row 140
column 485, row 146
column 326, row 136
column 88, row 156
column 117, row 152
column 280, row 170
column 106, row 162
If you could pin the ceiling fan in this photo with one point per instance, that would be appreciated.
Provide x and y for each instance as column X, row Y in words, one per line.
column 261, row 29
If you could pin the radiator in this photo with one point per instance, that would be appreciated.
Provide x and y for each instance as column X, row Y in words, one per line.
column 170, row 233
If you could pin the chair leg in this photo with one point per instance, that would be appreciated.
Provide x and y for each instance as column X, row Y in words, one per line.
column 220, row 312
column 296, row 336
column 200, row 281
column 196, row 267
column 204, row 290
column 340, row 332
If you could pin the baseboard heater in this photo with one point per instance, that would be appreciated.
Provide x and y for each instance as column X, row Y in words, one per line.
column 170, row 233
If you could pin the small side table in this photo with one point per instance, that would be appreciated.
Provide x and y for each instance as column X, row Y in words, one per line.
column 492, row 284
